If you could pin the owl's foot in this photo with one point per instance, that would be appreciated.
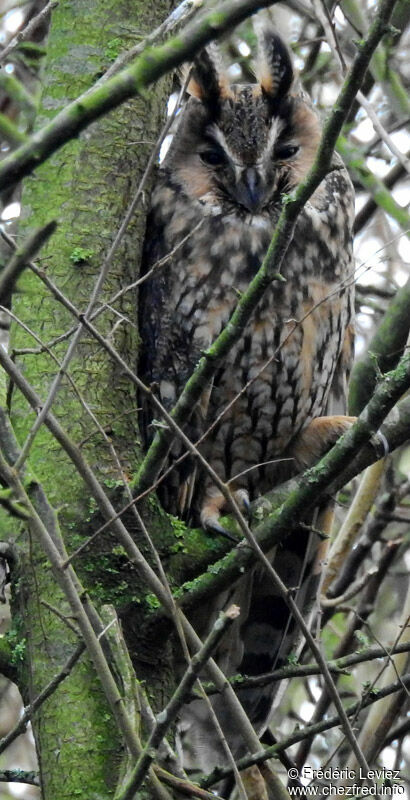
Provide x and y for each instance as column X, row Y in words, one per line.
column 214, row 506
column 318, row 437
column 241, row 496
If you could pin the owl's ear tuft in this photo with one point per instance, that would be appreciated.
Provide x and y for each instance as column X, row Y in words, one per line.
column 208, row 81
column 274, row 68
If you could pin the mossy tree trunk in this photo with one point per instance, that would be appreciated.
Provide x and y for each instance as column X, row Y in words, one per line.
column 87, row 186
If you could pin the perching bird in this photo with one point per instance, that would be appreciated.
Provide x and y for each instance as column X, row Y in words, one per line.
column 237, row 150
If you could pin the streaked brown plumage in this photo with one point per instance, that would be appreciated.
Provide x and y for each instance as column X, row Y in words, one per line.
column 236, row 151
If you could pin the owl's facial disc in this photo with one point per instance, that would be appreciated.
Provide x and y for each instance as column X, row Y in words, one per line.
column 243, row 153
column 247, row 172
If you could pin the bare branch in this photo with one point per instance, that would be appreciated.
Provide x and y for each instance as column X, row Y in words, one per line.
column 20, row 776
column 338, row 666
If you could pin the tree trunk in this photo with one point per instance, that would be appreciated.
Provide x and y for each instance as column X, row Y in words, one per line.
column 87, row 186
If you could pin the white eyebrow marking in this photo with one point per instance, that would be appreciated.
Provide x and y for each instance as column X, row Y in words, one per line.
column 220, row 138
column 276, row 129
column 277, row 126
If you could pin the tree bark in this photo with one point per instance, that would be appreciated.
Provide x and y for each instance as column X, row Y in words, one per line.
column 87, row 187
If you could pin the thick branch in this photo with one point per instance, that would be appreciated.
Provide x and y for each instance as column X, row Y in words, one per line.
column 383, row 351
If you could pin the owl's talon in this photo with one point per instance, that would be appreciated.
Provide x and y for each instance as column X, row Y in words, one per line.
column 214, row 507
column 214, row 527
column 318, row 437
column 247, row 506
column 242, row 498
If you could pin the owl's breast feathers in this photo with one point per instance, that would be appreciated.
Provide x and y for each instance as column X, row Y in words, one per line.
column 296, row 343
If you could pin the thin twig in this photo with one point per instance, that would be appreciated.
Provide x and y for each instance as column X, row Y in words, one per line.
column 61, row 616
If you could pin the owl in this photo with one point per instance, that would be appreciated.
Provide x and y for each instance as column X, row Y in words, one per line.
column 237, row 151
column 271, row 406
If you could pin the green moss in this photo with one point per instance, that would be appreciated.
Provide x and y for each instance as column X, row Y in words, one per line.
column 17, row 645
column 292, row 660
column 363, row 641
column 119, row 550
column 178, row 527
column 263, row 510
column 152, row 601
column 81, row 254
column 178, row 547
column 113, row 48
column 214, row 569
column 111, row 483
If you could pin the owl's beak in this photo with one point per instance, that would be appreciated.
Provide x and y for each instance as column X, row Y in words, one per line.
column 250, row 189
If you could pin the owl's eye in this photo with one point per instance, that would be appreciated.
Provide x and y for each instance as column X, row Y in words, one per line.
column 285, row 151
column 215, row 158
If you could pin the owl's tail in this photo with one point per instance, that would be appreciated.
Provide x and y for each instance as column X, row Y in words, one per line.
column 264, row 638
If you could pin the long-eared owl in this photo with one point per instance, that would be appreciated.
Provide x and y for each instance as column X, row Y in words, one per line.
column 237, row 150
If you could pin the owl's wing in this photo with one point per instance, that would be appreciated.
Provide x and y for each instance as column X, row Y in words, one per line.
column 337, row 403
column 342, row 187
column 167, row 359
column 152, row 302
